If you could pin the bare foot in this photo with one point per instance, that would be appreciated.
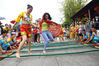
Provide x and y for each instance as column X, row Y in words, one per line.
column 44, row 52
column 30, row 53
column 18, row 55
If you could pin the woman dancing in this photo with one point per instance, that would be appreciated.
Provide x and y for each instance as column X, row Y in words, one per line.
column 44, row 24
column 25, row 28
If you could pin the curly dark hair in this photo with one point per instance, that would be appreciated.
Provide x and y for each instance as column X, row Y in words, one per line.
column 49, row 17
column 29, row 6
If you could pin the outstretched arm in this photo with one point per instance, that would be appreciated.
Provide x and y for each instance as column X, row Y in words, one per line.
column 90, row 38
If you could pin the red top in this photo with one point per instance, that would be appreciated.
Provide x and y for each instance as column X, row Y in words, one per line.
column 48, row 21
column 35, row 31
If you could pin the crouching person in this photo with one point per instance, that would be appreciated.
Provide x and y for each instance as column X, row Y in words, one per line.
column 4, row 46
column 94, row 38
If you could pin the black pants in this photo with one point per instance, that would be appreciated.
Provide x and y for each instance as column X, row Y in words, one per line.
column 35, row 37
column 8, row 48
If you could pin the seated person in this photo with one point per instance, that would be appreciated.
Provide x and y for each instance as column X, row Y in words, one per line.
column 86, row 36
column 3, row 43
column 94, row 38
column 14, row 42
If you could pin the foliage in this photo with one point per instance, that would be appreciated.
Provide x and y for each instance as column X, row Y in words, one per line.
column 70, row 7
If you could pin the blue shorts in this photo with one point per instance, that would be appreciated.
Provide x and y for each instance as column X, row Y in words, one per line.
column 5, row 46
column 96, row 39
column 85, row 37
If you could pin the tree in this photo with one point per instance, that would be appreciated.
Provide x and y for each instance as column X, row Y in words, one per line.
column 70, row 7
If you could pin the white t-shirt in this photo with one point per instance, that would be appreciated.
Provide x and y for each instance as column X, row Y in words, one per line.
column 9, row 35
column 3, row 38
column 97, row 32
column 94, row 34
column 80, row 27
column 64, row 30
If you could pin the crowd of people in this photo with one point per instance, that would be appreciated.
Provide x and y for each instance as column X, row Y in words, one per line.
column 9, row 38
column 14, row 37
column 86, row 32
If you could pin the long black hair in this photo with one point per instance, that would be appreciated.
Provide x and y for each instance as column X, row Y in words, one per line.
column 49, row 17
column 29, row 6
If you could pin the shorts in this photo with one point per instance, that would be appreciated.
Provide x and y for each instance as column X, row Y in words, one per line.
column 38, row 34
column 25, row 30
column 5, row 46
column 80, row 34
column 64, row 32
column 96, row 39
column 77, row 30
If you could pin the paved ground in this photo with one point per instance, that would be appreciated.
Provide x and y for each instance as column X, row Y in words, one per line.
column 85, row 59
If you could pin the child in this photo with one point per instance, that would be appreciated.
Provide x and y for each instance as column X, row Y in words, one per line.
column 86, row 36
column 3, row 41
column 12, row 41
column 35, row 34
column 4, row 46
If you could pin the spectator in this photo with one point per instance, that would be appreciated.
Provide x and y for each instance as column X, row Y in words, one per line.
column 76, row 31
column 80, row 30
column 61, row 35
column 94, row 38
column 3, row 41
column 35, row 34
column 38, row 35
column 67, row 32
column 1, row 28
column 97, row 24
column 72, row 31
column 6, row 28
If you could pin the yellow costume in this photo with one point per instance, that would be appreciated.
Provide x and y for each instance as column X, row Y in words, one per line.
column 72, row 31
column 76, row 31
column 25, row 28
column 24, row 18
